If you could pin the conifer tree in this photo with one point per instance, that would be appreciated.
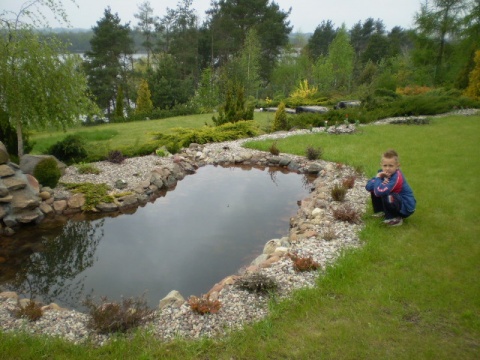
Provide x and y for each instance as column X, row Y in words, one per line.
column 144, row 98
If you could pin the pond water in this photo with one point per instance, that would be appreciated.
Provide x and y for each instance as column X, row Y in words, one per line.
column 213, row 223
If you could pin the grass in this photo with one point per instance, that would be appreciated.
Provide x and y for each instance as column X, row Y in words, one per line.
column 409, row 293
column 118, row 136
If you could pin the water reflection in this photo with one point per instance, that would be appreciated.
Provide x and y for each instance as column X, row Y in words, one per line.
column 213, row 223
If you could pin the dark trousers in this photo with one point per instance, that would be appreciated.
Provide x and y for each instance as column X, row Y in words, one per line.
column 389, row 204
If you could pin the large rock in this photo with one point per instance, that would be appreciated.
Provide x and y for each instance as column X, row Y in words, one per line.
column 173, row 298
column 4, row 158
column 28, row 163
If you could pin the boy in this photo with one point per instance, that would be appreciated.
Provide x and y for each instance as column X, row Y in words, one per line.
column 391, row 195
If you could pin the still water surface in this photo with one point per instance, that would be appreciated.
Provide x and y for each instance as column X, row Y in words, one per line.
column 211, row 225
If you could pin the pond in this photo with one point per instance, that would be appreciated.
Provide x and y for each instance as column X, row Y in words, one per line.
column 212, row 224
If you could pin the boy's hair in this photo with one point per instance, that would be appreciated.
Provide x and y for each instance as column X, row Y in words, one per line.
column 391, row 154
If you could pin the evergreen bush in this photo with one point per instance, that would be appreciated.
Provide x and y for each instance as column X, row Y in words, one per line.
column 47, row 172
column 69, row 150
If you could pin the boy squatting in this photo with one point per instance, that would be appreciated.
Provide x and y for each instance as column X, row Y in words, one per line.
column 391, row 195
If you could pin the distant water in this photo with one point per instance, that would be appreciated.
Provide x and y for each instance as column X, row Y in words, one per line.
column 214, row 222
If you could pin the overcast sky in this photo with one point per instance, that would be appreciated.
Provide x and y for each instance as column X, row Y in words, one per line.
column 305, row 16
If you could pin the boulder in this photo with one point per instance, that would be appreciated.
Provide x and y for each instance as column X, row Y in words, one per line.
column 173, row 298
column 4, row 157
column 28, row 163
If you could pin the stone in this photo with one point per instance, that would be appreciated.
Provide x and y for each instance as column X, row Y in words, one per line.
column 24, row 199
column 107, row 207
column 314, row 169
column 284, row 161
column 173, row 298
column 127, row 201
column 59, row 206
column 33, row 183
column 76, row 201
column 6, row 199
column 121, row 184
column 44, row 195
column 3, row 190
column 9, row 295
column 4, row 157
column 45, row 208
column 26, row 217
column 3, row 211
column 14, row 183
column 6, row 171
column 260, row 259
column 270, row 246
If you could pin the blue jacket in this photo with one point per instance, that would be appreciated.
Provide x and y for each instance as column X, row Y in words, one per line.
column 397, row 184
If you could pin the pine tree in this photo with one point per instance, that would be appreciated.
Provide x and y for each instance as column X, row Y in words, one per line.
column 144, row 101
column 280, row 122
column 473, row 89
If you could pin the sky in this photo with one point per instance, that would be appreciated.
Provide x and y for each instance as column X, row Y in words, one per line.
column 305, row 16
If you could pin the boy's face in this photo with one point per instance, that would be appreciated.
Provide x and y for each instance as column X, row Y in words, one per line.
column 389, row 166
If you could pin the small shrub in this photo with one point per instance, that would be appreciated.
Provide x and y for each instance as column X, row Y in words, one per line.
column 257, row 283
column 274, row 150
column 203, row 305
column 87, row 169
column 69, row 150
column 32, row 311
column 349, row 182
column 94, row 193
column 339, row 193
column 111, row 317
column 347, row 213
column 47, row 172
column 115, row 156
column 301, row 264
column 314, row 153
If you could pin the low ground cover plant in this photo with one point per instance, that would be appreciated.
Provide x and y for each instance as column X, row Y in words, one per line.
column 302, row 263
column 339, row 192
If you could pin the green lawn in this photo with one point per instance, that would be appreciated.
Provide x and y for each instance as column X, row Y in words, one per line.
column 411, row 292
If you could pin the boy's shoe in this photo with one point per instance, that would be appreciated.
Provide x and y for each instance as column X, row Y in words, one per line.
column 394, row 222
column 378, row 214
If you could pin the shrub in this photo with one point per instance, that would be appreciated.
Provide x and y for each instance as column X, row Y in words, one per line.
column 257, row 283
column 115, row 156
column 110, row 317
column 314, row 153
column 69, row 150
column 87, row 169
column 349, row 182
column 32, row 311
column 301, row 264
column 203, row 305
column 347, row 213
column 339, row 193
column 274, row 150
column 47, row 172
column 280, row 122
column 181, row 137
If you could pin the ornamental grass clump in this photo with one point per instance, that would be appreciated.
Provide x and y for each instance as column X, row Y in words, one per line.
column 112, row 317
column 301, row 264
column 257, row 283
column 349, row 182
column 314, row 153
column 115, row 156
column 31, row 311
column 274, row 150
column 203, row 305
column 339, row 192
column 347, row 213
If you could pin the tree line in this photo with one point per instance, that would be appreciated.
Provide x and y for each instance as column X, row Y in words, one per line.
column 242, row 50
